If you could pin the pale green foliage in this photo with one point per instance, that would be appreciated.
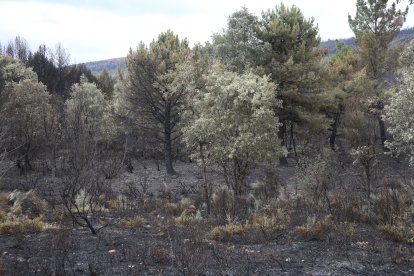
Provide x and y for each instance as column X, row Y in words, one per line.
column 399, row 113
column 120, row 102
column 238, row 47
column 28, row 110
column 235, row 120
column 23, row 109
column 12, row 70
column 85, row 111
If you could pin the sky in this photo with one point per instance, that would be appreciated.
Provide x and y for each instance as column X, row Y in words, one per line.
column 97, row 30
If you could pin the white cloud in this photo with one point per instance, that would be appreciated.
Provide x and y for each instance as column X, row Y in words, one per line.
column 104, row 32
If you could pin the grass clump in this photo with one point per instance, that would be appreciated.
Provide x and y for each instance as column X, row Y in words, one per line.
column 314, row 229
column 327, row 230
column 269, row 226
column 398, row 233
column 21, row 226
column 227, row 232
column 132, row 223
column 183, row 220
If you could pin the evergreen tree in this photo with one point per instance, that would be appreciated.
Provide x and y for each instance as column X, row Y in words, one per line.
column 151, row 71
column 106, row 84
column 375, row 25
column 295, row 65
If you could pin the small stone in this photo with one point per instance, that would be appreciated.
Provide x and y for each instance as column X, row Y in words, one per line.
column 288, row 260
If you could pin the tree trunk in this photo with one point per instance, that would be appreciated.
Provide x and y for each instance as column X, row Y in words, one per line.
column 205, row 182
column 90, row 226
column 292, row 139
column 168, row 141
column 282, row 136
column 334, row 133
column 383, row 132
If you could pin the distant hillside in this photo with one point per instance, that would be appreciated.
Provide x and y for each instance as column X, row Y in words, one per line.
column 96, row 67
column 330, row 44
column 404, row 37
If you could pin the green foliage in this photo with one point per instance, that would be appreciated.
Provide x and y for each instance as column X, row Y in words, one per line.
column 379, row 18
column 106, row 84
column 295, row 66
column 398, row 114
column 85, row 110
column 88, row 125
column 375, row 25
column 235, row 121
column 288, row 31
column 29, row 114
column 238, row 47
column 154, row 99
column 12, row 71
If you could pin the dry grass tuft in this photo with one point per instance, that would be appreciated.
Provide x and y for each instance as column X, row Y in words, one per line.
column 132, row 223
column 314, row 229
column 398, row 233
column 227, row 232
column 21, row 226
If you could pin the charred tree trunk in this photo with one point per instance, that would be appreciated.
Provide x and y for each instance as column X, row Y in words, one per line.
column 292, row 139
column 383, row 133
column 168, row 155
column 381, row 124
column 206, row 187
column 334, row 131
column 282, row 136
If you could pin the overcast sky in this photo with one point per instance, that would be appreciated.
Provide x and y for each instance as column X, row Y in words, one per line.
column 95, row 30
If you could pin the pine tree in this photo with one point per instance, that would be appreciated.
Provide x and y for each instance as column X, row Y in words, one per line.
column 295, row 65
column 375, row 25
column 151, row 71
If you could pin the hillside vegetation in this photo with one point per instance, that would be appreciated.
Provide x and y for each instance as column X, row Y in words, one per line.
column 252, row 154
column 403, row 38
